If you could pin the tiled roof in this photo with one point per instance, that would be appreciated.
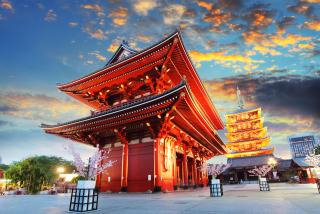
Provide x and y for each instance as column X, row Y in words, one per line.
column 249, row 161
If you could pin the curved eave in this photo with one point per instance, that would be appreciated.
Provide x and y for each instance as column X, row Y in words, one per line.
column 116, row 110
column 250, row 153
column 192, row 77
column 265, row 142
column 230, row 134
column 112, row 66
column 244, row 112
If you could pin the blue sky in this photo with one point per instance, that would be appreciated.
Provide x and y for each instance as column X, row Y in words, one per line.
column 269, row 49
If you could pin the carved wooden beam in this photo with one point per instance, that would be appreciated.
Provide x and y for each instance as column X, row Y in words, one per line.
column 121, row 136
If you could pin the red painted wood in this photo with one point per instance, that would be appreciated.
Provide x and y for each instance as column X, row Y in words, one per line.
column 113, row 172
column 140, row 166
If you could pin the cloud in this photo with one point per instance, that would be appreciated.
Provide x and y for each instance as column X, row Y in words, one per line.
column 144, row 38
column 173, row 13
column 39, row 107
column 96, row 8
column 285, row 22
column 313, row 25
column 260, row 18
column 5, row 4
column 311, row 1
column 73, row 24
column 142, row 7
column 98, row 56
column 283, row 40
column 96, row 34
column 204, row 4
column 302, row 8
column 4, row 123
column 218, row 56
column 51, row 16
column 119, row 16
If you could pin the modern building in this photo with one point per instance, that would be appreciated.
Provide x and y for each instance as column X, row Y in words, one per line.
column 151, row 109
column 302, row 145
column 247, row 142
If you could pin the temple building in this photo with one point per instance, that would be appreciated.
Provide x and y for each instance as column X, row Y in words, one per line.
column 247, row 142
column 151, row 108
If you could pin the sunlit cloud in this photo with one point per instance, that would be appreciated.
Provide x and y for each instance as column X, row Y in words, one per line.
column 96, row 8
column 206, row 5
column 260, row 18
column 313, row 25
column 50, row 16
column 199, row 57
column 98, row 56
column 96, row 34
column 173, row 14
column 144, row 38
column 40, row 107
column 142, row 7
column 119, row 16
column 5, row 4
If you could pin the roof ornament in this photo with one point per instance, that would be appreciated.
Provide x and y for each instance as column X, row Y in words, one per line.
column 124, row 42
column 240, row 99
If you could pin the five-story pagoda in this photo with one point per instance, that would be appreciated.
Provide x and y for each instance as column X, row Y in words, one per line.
column 247, row 140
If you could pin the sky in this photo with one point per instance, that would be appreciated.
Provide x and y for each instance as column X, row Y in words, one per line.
column 270, row 49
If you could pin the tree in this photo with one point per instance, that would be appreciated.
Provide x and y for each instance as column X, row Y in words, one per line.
column 36, row 172
column 98, row 163
column 261, row 171
column 4, row 167
column 317, row 150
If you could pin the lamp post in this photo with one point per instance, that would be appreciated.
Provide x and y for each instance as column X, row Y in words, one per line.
column 272, row 162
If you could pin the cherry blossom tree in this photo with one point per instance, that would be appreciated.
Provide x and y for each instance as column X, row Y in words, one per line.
column 313, row 159
column 261, row 171
column 214, row 169
column 98, row 163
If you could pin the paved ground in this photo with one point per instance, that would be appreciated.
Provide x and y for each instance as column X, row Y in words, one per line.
column 283, row 198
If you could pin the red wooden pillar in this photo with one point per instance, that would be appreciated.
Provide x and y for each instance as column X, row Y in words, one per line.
column 195, row 172
column 174, row 159
column 185, row 169
column 157, row 173
column 124, row 176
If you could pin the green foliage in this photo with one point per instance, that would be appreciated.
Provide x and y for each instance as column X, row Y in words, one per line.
column 317, row 150
column 36, row 172
column 4, row 167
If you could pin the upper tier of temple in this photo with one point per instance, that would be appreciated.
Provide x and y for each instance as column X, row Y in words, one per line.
column 145, row 95
column 131, row 75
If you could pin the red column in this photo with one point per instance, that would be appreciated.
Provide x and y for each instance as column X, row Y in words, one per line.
column 124, row 176
column 157, row 173
column 174, row 166
column 195, row 172
column 185, row 169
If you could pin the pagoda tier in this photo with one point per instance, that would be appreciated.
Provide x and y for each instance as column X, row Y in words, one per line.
column 250, row 153
column 249, row 145
column 245, row 126
column 243, row 116
column 247, row 135
column 152, row 110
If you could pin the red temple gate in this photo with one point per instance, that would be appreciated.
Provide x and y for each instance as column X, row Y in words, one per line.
column 152, row 110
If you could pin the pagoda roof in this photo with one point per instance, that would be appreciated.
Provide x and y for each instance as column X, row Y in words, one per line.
column 142, row 111
column 250, row 153
column 250, row 161
column 124, row 51
column 239, row 111
column 171, row 49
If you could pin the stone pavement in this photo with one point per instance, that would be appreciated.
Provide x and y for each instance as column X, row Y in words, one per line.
column 283, row 198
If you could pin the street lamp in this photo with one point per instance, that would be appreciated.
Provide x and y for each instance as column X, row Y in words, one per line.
column 272, row 162
column 60, row 170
